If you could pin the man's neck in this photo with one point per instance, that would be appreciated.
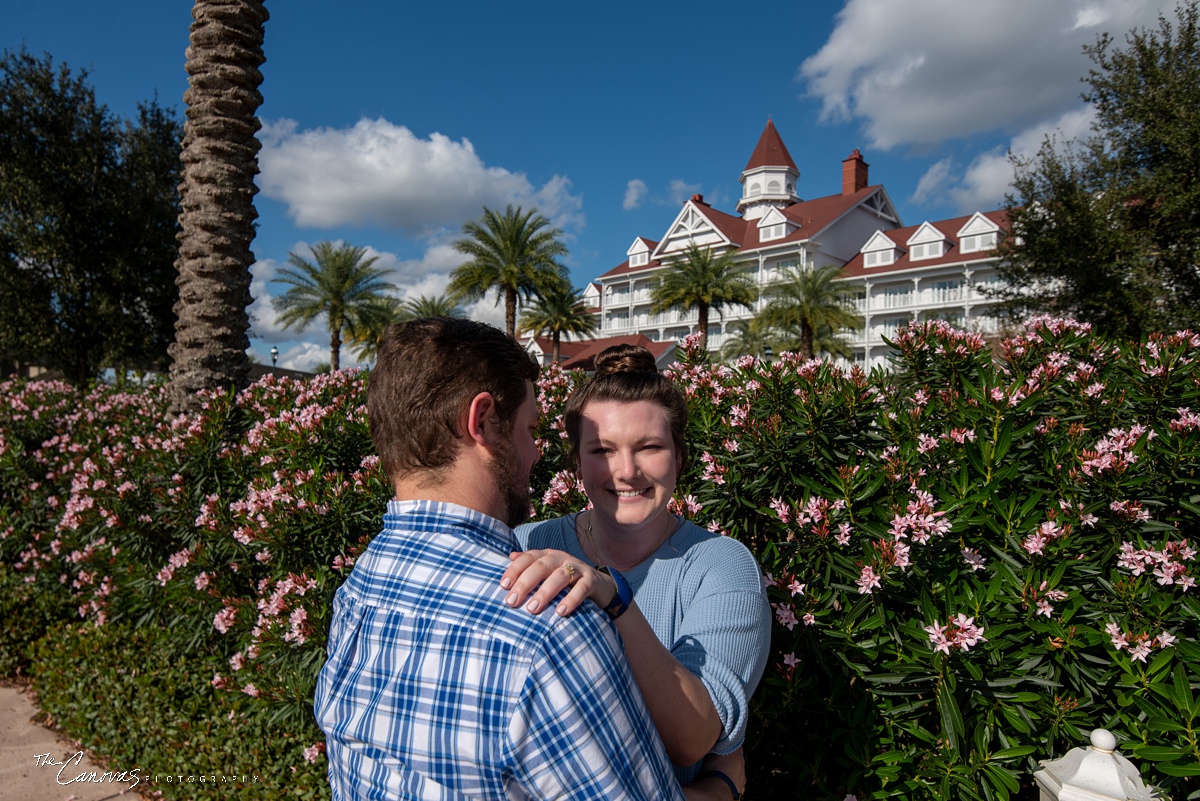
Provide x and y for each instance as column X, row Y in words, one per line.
column 458, row 485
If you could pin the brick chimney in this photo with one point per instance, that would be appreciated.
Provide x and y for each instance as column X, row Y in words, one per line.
column 854, row 173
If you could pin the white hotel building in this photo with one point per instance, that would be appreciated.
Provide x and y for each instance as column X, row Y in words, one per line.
column 897, row 273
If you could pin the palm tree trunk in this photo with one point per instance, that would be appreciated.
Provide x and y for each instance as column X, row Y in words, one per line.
column 806, row 341
column 510, row 311
column 702, row 323
column 335, row 349
column 220, row 160
column 557, row 347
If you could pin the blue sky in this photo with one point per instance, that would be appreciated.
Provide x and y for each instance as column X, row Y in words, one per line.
column 388, row 125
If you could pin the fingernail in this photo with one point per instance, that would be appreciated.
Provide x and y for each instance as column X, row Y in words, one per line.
column 562, row 609
column 511, row 600
column 505, row 583
column 532, row 606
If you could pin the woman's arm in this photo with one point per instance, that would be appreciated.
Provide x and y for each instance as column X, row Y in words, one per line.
column 679, row 703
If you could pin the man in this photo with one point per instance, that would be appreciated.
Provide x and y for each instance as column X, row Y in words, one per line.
column 434, row 687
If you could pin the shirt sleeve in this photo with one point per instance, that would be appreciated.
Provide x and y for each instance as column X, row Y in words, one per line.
column 580, row 729
column 725, row 635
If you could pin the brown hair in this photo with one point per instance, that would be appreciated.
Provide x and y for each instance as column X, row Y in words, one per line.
column 426, row 373
column 627, row 374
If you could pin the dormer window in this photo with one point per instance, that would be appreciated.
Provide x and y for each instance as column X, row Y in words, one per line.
column 639, row 259
column 877, row 258
column 929, row 250
column 773, row 232
column 978, row 242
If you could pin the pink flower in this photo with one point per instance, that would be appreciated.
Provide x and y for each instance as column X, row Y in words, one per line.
column 809, row 619
column 789, row 660
column 796, row 587
column 1164, row 640
column 313, row 752
column 972, row 558
column 868, row 581
column 769, row 581
column 785, row 616
column 251, row 691
column 224, row 619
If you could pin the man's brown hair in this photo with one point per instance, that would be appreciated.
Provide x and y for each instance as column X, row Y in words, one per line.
column 426, row 373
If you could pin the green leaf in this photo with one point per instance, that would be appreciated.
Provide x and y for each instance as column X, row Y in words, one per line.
column 1014, row 753
column 952, row 720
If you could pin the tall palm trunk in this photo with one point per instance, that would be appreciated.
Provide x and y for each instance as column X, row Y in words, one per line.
column 557, row 347
column 702, row 324
column 220, row 160
column 335, row 346
column 510, row 311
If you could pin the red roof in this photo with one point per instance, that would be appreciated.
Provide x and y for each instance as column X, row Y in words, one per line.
column 770, row 151
column 856, row 267
column 813, row 216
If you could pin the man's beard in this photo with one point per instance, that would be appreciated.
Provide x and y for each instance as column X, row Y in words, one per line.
column 513, row 488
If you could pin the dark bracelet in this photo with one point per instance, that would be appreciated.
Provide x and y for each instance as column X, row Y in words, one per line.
column 718, row 774
column 624, row 597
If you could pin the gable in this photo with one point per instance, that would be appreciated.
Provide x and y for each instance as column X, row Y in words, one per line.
column 925, row 233
column 878, row 241
column 691, row 226
column 978, row 224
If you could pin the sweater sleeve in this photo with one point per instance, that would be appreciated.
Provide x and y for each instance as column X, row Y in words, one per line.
column 725, row 635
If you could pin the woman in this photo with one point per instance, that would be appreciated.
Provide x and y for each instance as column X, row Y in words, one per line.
column 689, row 604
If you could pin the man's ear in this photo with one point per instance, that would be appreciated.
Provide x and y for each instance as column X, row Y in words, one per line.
column 482, row 419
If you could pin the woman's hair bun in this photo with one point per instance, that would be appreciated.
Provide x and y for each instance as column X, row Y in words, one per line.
column 625, row 359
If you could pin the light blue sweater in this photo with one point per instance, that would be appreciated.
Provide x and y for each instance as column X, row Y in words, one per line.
column 703, row 596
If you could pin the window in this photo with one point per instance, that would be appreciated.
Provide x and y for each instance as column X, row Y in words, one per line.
column 878, row 257
column 929, row 250
column 639, row 259
column 773, row 232
column 978, row 242
column 754, row 189
column 773, row 187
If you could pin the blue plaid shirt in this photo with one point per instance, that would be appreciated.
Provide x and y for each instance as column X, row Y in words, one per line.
column 436, row 689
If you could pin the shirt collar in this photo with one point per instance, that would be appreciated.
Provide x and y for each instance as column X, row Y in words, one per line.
column 443, row 517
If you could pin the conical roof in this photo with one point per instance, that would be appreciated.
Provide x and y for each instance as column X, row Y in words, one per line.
column 770, row 151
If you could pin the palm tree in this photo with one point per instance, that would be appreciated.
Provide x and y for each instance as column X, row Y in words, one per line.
column 437, row 306
column 810, row 307
column 749, row 337
column 220, row 160
column 342, row 285
column 559, row 311
column 515, row 253
column 703, row 280
column 391, row 310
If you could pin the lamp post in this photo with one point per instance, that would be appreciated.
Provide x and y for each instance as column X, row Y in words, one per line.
column 768, row 353
column 274, row 355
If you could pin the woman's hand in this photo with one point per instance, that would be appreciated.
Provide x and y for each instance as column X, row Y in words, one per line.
column 546, row 568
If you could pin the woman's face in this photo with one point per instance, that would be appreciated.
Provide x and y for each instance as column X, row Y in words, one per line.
column 627, row 460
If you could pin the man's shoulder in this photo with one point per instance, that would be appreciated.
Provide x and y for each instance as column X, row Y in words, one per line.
column 454, row 584
column 537, row 533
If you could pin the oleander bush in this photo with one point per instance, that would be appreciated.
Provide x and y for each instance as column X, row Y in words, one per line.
column 973, row 559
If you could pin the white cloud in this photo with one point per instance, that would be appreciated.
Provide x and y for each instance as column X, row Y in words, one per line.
column 988, row 178
column 679, row 191
column 635, row 193
column 932, row 182
column 379, row 173
column 919, row 72
column 264, row 320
